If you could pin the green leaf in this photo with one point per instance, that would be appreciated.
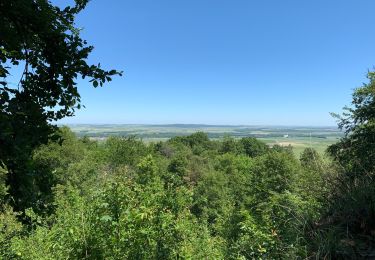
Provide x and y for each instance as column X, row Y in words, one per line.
column 106, row 218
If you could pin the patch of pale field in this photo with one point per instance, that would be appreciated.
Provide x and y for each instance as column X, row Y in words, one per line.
column 259, row 132
column 287, row 143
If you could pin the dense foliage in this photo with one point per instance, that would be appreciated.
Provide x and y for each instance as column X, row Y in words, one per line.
column 196, row 198
column 189, row 197
column 347, row 227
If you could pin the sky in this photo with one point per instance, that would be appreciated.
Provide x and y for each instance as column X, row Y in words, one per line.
column 239, row 62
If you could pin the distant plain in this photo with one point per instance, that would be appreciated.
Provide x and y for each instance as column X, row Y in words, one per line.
column 299, row 137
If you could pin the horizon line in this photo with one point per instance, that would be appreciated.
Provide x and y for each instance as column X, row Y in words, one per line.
column 198, row 124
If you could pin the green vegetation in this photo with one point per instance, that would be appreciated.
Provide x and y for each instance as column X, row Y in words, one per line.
column 193, row 196
column 189, row 197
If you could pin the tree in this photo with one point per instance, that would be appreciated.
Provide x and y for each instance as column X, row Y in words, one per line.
column 356, row 150
column 42, row 39
column 198, row 142
column 254, row 147
column 230, row 145
column 349, row 221
column 310, row 159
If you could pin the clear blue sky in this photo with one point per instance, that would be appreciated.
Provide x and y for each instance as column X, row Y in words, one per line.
column 270, row 62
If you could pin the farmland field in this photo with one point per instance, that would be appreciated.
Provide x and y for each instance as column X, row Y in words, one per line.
column 298, row 137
